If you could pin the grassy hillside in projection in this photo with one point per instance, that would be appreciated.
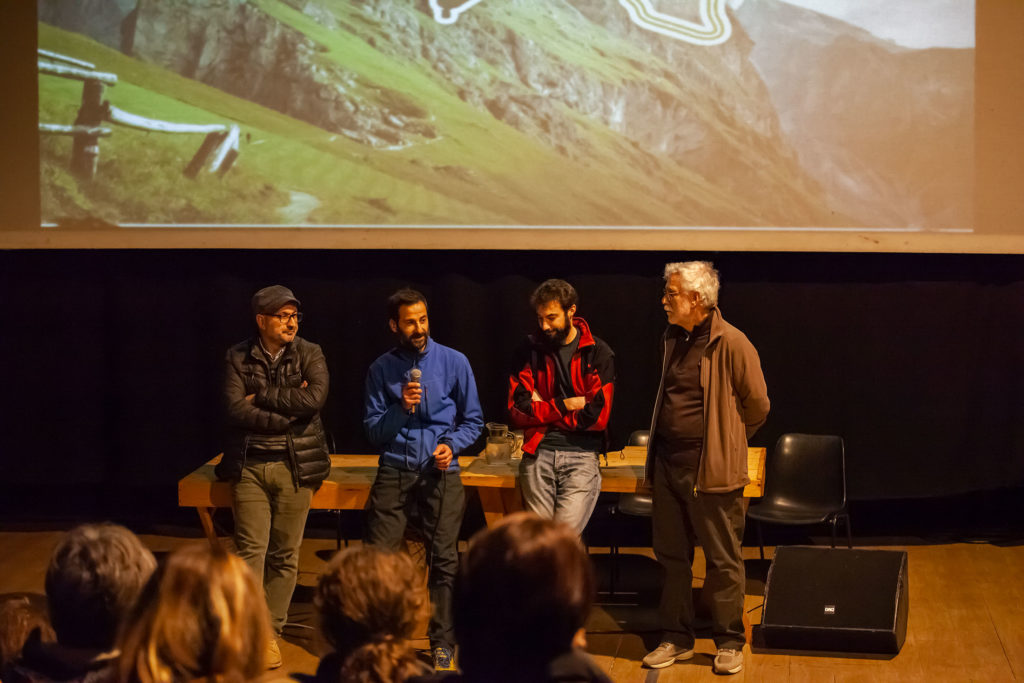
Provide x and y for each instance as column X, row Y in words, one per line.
column 519, row 118
column 140, row 179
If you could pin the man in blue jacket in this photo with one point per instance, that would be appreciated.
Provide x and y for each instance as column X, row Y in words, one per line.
column 422, row 410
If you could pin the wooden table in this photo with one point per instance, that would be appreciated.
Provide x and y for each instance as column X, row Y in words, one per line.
column 347, row 487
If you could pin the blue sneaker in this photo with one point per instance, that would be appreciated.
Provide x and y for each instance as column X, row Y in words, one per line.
column 444, row 660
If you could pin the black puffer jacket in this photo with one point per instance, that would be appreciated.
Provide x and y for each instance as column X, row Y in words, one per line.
column 282, row 406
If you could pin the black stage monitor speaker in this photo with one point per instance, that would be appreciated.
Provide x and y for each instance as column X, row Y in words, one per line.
column 836, row 599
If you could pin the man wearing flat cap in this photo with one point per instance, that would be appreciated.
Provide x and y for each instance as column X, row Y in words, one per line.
column 275, row 385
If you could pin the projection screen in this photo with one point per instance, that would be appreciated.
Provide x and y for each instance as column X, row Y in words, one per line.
column 756, row 124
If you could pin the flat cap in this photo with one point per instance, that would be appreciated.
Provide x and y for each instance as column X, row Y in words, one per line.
column 270, row 299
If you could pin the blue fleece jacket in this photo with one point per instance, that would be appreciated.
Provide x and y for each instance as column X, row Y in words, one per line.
column 448, row 413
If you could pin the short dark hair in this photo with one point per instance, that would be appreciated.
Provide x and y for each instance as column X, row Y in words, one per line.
column 524, row 586
column 95, row 574
column 554, row 290
column 403, row 297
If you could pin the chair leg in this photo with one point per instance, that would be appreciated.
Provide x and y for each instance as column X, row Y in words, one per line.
column 832, row 523
column 849, row 532
column 613, row 552
column 338, row 532
column 760, row 537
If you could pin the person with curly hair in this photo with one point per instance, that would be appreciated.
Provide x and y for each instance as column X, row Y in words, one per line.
column 371, row 602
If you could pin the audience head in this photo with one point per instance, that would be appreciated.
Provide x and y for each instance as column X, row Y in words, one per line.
column 371, row 602
column 202, row 615
column 19, row 617
column 523, row 591
column 95, row 574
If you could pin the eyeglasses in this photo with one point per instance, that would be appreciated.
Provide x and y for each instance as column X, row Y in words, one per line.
column 670, row 294
column 285, row 318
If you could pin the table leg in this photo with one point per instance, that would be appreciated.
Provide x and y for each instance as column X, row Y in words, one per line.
column 512, row 499
column 498, row 502
column 206, row 520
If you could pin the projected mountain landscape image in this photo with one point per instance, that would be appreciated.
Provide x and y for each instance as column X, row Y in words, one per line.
column 504, row 113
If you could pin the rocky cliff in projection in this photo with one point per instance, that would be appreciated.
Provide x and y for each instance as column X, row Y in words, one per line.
column 887, row 130
column 563, row 112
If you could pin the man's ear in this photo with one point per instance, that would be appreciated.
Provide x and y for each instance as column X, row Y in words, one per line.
column 572, row 310
column 393, row 325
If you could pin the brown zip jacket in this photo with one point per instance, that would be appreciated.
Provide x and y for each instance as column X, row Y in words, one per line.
column 735, row 406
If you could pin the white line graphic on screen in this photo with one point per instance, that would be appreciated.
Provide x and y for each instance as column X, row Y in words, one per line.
column 714, row 29
column 447, row 11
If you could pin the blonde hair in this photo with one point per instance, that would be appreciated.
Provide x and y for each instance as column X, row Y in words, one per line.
column 696, row 276
column 202, row 615
column 370, row 603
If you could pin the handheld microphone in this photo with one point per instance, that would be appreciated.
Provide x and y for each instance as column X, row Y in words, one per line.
column 414, row 376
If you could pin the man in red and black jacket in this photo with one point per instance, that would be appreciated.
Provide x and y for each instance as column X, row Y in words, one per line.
column 560, row 394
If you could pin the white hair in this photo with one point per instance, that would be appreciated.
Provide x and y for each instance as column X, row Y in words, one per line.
column 696, row 276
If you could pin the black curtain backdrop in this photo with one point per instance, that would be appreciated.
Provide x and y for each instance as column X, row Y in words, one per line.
column 113, row 358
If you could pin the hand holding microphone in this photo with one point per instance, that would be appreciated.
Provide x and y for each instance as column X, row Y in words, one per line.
column 412, row 392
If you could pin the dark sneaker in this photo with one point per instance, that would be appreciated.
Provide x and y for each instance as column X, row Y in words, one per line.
column 728, row 661
column 665, row 654
column 443, row 659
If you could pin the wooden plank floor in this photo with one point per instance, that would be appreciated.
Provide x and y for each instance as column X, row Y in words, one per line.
column 966, row 615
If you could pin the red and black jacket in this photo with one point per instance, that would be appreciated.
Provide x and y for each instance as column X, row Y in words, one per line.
column 593, row 377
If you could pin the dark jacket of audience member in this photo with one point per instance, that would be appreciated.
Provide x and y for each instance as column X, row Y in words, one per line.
column 522, row 596
column 95, row 574
column 370, row 603
column 202, row 615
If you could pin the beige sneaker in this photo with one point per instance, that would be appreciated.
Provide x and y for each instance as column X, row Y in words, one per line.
column 274, row 660
column 665, row 654
column 728, row 661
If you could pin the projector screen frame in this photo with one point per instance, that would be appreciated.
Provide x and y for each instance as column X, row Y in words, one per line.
column 999, row 194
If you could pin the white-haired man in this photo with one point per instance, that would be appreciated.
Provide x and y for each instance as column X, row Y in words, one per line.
column 711, row 399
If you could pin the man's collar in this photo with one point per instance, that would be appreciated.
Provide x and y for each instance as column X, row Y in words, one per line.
column 403, row 350
column 272, row 357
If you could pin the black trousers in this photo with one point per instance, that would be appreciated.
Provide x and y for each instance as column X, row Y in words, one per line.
column 438, row 500
column 680, row 520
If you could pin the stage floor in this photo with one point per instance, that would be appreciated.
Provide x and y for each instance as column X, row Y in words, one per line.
column 966, row 614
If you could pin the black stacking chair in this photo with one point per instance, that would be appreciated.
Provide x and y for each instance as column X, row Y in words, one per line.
column 632, row 504
column 804, row 484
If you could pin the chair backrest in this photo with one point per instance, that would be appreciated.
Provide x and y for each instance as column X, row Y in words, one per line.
column 639, row 438
column 807, row 471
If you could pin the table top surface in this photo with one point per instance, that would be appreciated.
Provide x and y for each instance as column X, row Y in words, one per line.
column 622, row 471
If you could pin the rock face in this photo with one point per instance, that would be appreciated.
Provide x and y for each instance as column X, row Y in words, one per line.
column 111, row 22
column 887, row 131
column 235, row 46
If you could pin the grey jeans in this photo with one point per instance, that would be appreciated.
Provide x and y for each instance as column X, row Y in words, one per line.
column 561, row 485
column 270, row 515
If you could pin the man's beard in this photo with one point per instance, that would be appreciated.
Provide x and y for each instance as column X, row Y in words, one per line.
column 410, row 344
column 557, row 337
